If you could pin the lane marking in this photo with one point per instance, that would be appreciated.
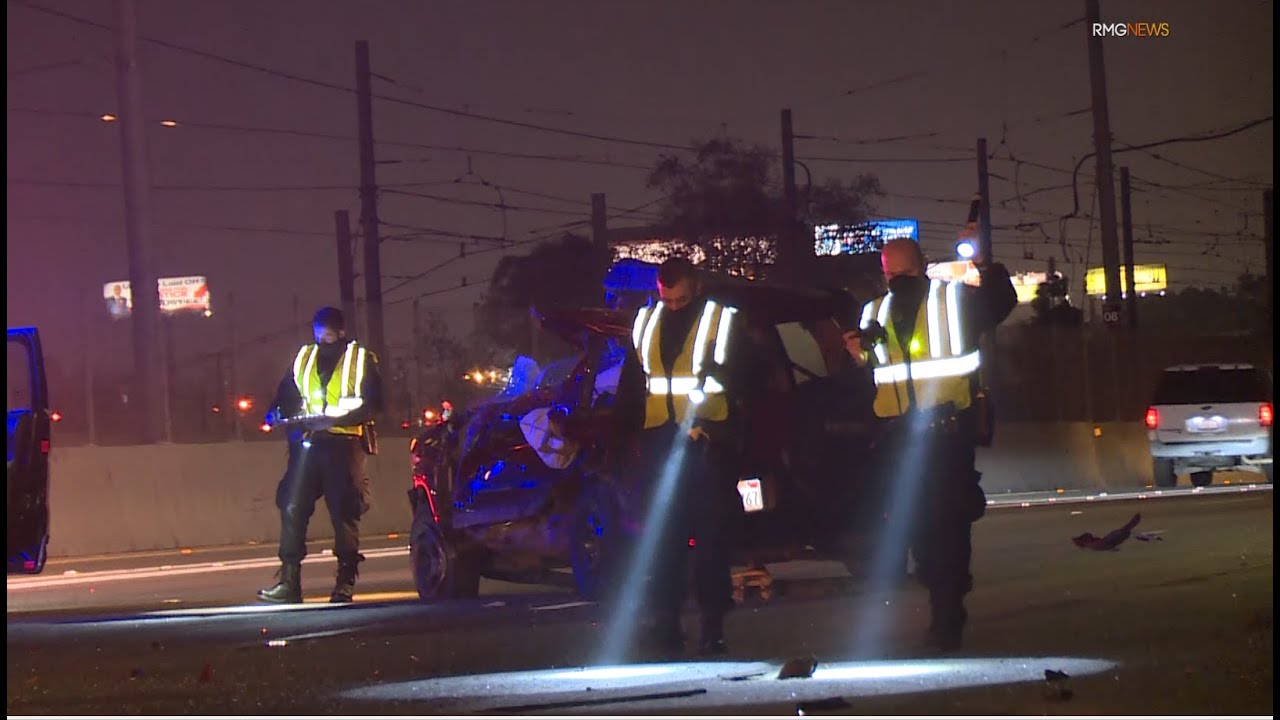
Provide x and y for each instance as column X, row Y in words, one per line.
column 563, row 606
column 37, row 582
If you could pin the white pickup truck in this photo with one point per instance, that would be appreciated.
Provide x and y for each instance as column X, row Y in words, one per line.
column 1210, row 417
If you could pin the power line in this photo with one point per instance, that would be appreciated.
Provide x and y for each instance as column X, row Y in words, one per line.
column 342, row 88
column 311, row 134
column 480, row 203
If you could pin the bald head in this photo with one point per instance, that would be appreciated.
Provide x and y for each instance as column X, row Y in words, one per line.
column 902, row 257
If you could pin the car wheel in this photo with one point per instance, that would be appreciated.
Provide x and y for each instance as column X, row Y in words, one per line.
column 439, row 570
column 597, row 542
column 1203, row 478
column 1165, row 474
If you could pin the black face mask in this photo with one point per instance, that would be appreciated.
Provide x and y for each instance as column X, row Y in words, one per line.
column 905, row 284
column 331, row 350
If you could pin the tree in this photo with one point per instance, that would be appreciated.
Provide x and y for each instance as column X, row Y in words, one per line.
column 731, row 189
column 556, row 273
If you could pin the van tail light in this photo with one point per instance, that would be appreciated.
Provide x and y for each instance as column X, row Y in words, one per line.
column 1264, row 414
column 44, row 444
column 1153, row 418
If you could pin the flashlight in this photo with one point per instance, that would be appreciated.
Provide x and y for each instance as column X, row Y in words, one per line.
column 966, row 249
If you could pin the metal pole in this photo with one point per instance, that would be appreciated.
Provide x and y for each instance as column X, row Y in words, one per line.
column 416, row 338
column 1102, row 143
column 346, row 269
column 1269, row 238
column 133, row 160
column 369, row 200
column 89, row 343
column 166, row 374
column 788, row 252
column 1131, row 292
column 984, row 203
column 234, row 371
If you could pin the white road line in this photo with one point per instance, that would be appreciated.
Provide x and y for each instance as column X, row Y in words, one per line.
column 37, row 582
column 563, row 606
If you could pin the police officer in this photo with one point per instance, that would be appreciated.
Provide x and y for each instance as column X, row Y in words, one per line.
column 328, row 399
column 680, row 373
column 920, row 342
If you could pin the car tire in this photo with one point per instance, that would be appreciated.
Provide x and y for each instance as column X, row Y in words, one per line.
column 597, row 542
column 1166, row 476
column 1204, row 478
column 439, row 570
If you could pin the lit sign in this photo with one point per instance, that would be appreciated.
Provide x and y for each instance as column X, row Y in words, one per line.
column 180, row 294
column 1147, row 278
column 962, row 270
column 1024, row 284
column 868, row 237
column 744, row 256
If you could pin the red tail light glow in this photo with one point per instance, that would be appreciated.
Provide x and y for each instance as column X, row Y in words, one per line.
column 44, row 447
column 1264, row 415
column 1153, row 418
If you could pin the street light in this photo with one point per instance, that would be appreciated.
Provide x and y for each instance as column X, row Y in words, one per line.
column 966, row 249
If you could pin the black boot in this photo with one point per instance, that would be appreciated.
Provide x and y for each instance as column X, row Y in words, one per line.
column 946, row 631
column 288, row 588
column 345, row 587
column 712, row 639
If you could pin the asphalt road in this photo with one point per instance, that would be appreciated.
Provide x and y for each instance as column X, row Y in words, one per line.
column 1178, row 624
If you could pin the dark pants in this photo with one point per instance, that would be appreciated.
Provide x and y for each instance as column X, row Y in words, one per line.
column 333, row 468
column 934, row 498
column 700, row 508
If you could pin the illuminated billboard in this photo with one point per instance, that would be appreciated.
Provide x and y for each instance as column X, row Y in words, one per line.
column 1024, row 284
column 862, row 238
column 176, row 295
column 1147, row 278
column 743, row 256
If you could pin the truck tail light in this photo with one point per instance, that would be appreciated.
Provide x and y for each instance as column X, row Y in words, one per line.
column 1153, row 418
column 1264, row 415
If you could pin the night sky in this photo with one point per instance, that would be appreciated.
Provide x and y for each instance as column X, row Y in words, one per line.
column 240, row 203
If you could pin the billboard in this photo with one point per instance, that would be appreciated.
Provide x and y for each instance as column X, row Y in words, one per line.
column 862, row 238
column 176, row 295
column 741, row 256
column 1152, row 277
column 1024, row 284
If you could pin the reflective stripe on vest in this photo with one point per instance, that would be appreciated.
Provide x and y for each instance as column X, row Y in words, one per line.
column 941, row 362
column 342, row 394
column 707, row 342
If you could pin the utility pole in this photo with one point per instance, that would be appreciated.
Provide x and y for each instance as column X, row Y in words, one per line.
column 1131, row 292
column 346, row 268
column 416, row 338
column 600, row 232
column 788, row 245
column 984, row 206
column 987, row 343
column 137, row 219
column 1269, row 237
column 369, row 200
column 1102, row 147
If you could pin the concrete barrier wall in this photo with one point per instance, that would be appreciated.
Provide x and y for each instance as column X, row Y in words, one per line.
column 1027, row 457
column 121, row 499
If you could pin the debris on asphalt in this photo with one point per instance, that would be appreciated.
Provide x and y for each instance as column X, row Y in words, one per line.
column 1055, row 686
column 1111, row 540
column 828, row 704
column 1149, row 536
column 801, row 667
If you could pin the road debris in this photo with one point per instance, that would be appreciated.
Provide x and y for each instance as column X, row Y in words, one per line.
column 801, row 667
column 1110, row 541
column 830, row 704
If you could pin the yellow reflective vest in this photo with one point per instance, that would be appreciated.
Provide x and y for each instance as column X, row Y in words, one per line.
column 939, row 361
column 341, row 395
column 689, row 386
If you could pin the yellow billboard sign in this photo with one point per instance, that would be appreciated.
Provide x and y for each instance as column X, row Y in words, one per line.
column 1147, row 278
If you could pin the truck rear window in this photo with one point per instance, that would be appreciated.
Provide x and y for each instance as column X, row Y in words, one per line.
column 1212, row 385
